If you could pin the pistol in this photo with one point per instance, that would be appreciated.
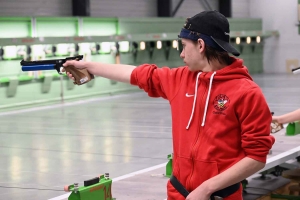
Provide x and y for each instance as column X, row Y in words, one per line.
column 81, row 76
column 296, row 70
column 275, row 126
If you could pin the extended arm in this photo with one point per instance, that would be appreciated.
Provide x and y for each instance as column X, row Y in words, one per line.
column 287, row 118
column 117, row 72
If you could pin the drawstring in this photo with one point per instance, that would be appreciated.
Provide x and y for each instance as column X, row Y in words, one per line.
column 207, row 98
column 195, row 98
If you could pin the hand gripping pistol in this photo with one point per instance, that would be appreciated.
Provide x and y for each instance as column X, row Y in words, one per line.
column 81, row 76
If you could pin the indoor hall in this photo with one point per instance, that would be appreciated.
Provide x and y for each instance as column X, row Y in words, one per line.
column 127, row 136
column 56, row 134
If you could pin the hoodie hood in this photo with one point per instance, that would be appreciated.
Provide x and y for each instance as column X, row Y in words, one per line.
column 234, row 71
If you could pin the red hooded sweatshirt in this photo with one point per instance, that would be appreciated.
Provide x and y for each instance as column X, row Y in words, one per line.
column 218, row 118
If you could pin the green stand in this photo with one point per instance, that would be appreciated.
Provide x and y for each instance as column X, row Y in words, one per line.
column 169, row 166
column 100, row 190
column 293, row 128
column 297, row 127
column 290, row 129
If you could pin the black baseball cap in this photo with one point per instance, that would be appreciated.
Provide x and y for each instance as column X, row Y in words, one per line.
column 212, row 27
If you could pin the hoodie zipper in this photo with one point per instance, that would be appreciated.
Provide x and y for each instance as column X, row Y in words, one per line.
column 199, row 130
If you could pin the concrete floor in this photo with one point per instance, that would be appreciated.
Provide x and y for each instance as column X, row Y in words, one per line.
column 43, row 149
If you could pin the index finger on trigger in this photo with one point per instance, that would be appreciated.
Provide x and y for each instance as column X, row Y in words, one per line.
column 68, row 62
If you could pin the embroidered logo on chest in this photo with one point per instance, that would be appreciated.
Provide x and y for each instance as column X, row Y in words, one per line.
column 221, row 102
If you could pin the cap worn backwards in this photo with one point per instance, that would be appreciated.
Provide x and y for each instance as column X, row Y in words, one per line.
column 212, row 27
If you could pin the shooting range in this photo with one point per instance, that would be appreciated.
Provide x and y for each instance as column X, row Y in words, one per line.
column 108, row 140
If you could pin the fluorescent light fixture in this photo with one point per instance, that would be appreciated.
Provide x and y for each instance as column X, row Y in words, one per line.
column 158, row 44
column 38, row 50
column 84, row 48
column 142, row 45
column 175, row 44
column 63, row 49
column 10, row 52
column 105, row 47
column 124, row 46
column 237, row 40
column 248, row 40
column 258, row 40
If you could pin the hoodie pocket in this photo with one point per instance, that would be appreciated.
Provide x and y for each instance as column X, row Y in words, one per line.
column 182, row 169
column 203, row 170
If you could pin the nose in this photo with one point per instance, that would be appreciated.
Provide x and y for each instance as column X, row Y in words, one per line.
column 182, row 54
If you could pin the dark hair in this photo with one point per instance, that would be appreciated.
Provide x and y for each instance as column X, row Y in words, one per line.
column 213, row 54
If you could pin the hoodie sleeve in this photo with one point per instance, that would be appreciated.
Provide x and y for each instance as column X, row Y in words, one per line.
column 255, row 118
column 157, row 82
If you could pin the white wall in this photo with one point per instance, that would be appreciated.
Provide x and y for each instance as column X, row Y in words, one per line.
column 144, row 8
column 282, row 16
column 98, row 8
column 35, row 8
column 278, row 15
column 190, row 8
column 123, row 8
column 240, row 8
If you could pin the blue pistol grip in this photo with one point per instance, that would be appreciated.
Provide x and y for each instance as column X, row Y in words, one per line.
column 38, row 67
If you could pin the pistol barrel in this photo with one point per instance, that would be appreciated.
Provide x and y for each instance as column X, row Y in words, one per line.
column 38, row 67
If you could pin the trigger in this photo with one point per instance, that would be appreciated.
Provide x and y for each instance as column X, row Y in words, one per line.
column 60, row 70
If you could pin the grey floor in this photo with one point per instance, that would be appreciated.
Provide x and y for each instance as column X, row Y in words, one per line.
column 44, row 149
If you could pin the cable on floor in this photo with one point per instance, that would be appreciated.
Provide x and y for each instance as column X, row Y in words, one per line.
column 11, row 187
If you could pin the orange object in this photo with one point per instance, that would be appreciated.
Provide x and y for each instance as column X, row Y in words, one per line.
column 66, row 188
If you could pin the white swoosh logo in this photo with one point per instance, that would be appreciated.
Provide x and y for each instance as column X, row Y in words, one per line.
column 189, row 95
